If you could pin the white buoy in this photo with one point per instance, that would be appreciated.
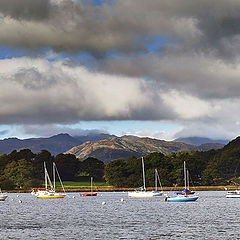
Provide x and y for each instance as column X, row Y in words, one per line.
column 103, row 203
column 12, row 199
column 73, row 196
column 20, row 201
column 122, row 199
column 17, row 195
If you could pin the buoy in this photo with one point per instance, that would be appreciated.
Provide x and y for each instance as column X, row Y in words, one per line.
column 103, row 203
column 17, row 195
column 122, row 199
column 73, row 196
column 12, row 199
column 20, row 201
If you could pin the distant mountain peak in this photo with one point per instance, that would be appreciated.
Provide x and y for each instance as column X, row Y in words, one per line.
column 200, row 140
column 109, row 149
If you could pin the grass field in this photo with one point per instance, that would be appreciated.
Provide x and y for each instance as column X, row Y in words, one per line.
column 102, row 186
column 70, row 184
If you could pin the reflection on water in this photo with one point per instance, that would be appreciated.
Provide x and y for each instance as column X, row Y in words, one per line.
column 211, row 217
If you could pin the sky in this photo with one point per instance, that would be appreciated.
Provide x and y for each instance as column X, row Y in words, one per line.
column 162, row 69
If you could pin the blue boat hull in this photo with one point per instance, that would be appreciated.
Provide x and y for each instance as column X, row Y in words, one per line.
column 182, row 199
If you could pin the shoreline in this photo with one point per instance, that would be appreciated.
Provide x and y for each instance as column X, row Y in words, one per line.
column 114, row 189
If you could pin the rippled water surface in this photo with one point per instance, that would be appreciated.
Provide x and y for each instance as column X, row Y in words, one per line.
column 211, row 217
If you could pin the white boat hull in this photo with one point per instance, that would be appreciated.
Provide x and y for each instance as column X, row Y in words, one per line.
column 49, row 194
column 3, row 197
column 233, row 194
column 141, row 194
column 157, row 193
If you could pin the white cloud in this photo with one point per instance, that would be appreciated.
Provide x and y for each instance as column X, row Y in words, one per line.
column 187, row 106
column 39, row 91
column 167, row 135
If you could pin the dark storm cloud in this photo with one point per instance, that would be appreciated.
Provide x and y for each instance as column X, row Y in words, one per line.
column 25, row 9
column 208, row 26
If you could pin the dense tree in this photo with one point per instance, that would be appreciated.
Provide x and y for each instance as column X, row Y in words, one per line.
column 115, row 172
column 19, row 172
column 22, row 154
column 23, row 169
column 67, row 165
column 38, row 168
column 92, row 167
column 133, row 172
column 4, row 160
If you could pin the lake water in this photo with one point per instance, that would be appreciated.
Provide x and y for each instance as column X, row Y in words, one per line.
column 213, row 216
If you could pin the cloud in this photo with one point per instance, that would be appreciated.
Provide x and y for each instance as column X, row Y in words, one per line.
column 167, row 135
column 36, row 91
column 39, row 91
column 4, row 132
column 192, row 78
column 200, row 75
column 25, row 9
column 122, row 25
column 187, row 107
column 54, row 129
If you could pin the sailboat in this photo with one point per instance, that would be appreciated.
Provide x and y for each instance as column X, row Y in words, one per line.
column 50, row 193
column 142, row 192
column 157, row 179
column 183, row 197
column 3, row 196
column 186, row 190
column 233, row 194
column 89, row 193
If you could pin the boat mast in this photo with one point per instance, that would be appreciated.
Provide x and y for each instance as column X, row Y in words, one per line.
column 91, row 184
column 144, row 184
column 155, row 179
column 185, row 179
column 59, row 178
column 54, row 178
column 45, row 173
column 158, row 179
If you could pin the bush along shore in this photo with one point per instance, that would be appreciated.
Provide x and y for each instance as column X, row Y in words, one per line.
column 165, row 189
column 115, row 189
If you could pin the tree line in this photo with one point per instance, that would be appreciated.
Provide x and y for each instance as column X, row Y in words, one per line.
column 214, row 167
column 24, row 169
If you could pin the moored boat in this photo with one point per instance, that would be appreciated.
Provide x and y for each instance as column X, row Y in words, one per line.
column 182, row 198
column 157, row 179
column 185, row 195
column 3, row 196
column 49, row 193
column 185, row 192
column 233, row 194
column 141, row 192
column 89, row 194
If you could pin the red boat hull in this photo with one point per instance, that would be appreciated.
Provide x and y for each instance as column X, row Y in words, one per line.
column 187, row 193
column 88, row 194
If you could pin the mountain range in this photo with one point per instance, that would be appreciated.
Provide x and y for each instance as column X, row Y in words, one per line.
column 55, row 144
column 200, row 140
column 113, row 148
column 104, row 146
